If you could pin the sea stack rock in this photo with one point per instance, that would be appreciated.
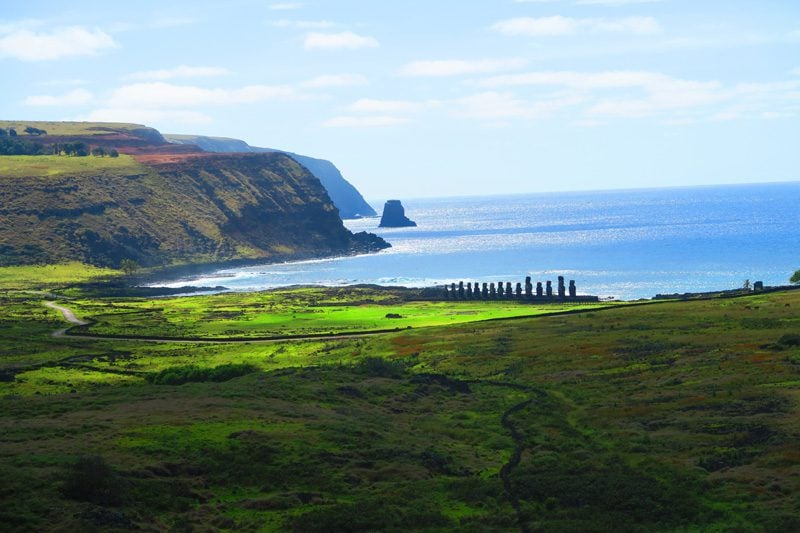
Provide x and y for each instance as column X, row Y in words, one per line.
column 394, row 216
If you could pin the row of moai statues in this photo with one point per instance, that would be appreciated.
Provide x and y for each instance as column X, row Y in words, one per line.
column 505, row 290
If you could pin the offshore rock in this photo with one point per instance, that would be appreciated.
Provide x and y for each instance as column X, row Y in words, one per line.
column 394, row 216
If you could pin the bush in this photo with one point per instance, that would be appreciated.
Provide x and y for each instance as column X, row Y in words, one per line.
column 178, row 375
column 790, row 340
column 91, row 479
column 373, row 515
column 377, row 367
column 13, row 146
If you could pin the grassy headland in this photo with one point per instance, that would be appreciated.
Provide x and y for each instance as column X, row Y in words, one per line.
column 156, row 203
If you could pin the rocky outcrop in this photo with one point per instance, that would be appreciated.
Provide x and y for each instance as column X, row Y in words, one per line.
column 394, row 216
column 343, row 195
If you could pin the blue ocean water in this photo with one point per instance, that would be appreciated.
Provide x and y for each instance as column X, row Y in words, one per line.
column 626, row 244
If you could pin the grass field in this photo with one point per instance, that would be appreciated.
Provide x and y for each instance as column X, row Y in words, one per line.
column 31, row 166
column 49, row 276
column 294, row 312
column 678, row 416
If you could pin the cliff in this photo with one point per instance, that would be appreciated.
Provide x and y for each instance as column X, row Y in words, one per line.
column 394, row 216
column 159, row 204
column 344, row 196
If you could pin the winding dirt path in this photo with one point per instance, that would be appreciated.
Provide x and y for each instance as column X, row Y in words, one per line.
column 68, row 314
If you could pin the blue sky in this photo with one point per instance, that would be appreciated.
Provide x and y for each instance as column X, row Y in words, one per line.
column 436, row 97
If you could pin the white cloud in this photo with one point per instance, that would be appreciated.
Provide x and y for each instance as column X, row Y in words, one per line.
column 642, row 94
column 496, row 105
column 558, row 26
column 286, row 6
column 455, row 67
column 159, row 95
column 304, row 24
column 364, row 121
column 332, row 41
column 145, row 116
column 27, row 45
column 336, row 80
column 579, row 80
column 72, row 98
column 655, row 91
column 181, row 71
column 367, row 105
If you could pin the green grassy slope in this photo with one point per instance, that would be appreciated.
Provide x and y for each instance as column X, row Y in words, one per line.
column 674, row 416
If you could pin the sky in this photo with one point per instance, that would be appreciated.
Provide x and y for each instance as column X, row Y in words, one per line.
column 437, row 97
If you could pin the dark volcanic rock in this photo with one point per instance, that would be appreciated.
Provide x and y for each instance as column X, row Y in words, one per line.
column 394, row 216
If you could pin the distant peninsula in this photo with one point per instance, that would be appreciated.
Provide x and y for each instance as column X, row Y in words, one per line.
column 394, row 216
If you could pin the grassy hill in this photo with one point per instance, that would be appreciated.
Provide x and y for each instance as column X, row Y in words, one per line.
column 675, row 416
column 160, row 204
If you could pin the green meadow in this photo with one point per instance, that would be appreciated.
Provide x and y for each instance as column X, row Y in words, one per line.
column 51, row 276
column 674, row 416
column 29, row 166
column 305, row 311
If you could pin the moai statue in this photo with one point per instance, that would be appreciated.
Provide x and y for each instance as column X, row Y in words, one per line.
column 485, row 290
column 561, row 289
column 528, row 287
column 539, row 290
column 548, row 290
column 519, row 290
column 469, row 289
column 758, row 286
column 500, row 291
column 446, row 292
column 573, row 291
column 476, row 290
column 509, row 291
column 461, row 290
column 492, row 291
column 453, row 293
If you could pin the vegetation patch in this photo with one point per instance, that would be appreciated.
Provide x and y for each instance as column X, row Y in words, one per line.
column 178, row 375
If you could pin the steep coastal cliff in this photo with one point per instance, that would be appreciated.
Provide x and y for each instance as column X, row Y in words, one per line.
column 160, row 204
column 344, row 196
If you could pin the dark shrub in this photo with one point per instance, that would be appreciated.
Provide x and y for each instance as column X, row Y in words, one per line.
column 91, row 479
column 178, row 375
column 378, row 367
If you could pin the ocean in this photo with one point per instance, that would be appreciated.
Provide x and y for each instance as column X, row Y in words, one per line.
column 624, row 244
